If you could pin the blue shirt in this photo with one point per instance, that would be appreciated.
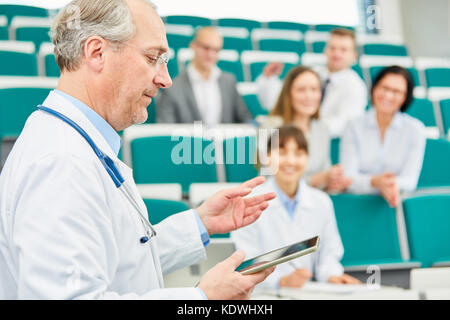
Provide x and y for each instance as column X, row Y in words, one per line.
column 114, row 141
column 364, row 154
column 289, row 204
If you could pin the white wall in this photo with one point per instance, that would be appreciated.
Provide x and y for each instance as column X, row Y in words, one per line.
column 426, row 27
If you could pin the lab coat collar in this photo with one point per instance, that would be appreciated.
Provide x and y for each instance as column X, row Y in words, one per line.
column 61, row 104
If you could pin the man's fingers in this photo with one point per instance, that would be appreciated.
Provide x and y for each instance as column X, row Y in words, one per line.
column 260, row 276
column 253, row 182
column 253, row 201
column 236, row 192
column 235, row 259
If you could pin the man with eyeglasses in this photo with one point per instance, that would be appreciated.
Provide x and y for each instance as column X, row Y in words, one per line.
column 72, row 222
column 203, row 92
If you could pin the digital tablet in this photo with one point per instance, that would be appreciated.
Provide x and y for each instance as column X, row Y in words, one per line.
column 278, row 256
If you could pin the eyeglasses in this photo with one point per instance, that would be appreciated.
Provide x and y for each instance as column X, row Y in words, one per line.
column 157, row 60
column 395, row 92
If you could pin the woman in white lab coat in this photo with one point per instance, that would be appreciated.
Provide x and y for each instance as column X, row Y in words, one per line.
column 299, row 212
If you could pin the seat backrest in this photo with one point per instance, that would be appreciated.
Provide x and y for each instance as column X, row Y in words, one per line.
column 240, row 23
column 437, row 77
column 10, row 11
column 285, row 25
column 159, row 209
column 239, row 158
column 283, row 45
column 422, row 109
column 385, row 49
column 435, row 169
column 427, row 220
column 445, row 114
column 16, row 106
column 368, row 229
column 167, row 159
column 194, row 21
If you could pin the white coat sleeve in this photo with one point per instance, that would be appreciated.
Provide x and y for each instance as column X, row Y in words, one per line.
column 268, row 89
column 330, row 247
column 179, row 241
column 64, row 236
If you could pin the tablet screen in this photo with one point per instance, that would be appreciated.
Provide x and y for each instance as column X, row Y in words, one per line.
column 277, row 256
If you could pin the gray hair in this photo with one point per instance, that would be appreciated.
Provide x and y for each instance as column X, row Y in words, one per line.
column 81, row 19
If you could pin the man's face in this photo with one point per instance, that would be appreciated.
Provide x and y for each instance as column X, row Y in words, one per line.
column 340, row 52
column 134, row 72
column 206, row 46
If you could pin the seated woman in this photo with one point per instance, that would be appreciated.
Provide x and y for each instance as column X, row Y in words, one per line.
column 299, row 212
column 382, row 151
column 298, row 103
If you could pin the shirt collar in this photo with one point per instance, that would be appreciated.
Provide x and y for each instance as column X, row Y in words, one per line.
column 195, row 76
column 372, row 119
column 108, row 133
column 284, row 198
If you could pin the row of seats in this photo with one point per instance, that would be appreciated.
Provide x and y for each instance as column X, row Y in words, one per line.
column 371, row 231
column 32, row 91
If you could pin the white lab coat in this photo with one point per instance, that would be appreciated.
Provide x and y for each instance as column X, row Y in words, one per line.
column 314, row 215
column 67, row 232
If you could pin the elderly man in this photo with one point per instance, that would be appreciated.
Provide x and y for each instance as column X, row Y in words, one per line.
column 344, row 94
column 72, row 224
column 203, row 92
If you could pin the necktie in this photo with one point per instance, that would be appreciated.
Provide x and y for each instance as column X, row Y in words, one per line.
column 324, row 88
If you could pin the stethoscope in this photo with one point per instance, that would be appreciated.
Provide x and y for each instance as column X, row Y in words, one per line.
column 112, row 170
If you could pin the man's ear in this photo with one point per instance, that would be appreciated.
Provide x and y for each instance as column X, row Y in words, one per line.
column 94, row 53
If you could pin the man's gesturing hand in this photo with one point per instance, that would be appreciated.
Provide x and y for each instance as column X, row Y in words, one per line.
column 228, row 210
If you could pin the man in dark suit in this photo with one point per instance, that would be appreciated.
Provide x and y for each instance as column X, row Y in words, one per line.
column 203, row 92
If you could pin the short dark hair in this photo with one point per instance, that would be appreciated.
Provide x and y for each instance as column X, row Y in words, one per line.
column 409, row 82
column 287, row 132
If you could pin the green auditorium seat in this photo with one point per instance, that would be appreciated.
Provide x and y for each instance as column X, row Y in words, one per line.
column 284, row 25
column 445, row 114
column 177, row 41
column 334, row 150
column 158, row 209
column 256, row 69
column 427, row 219
column 240, row 23
column 239, row 156
column 368, row 230
column 284, row 45
column 414, row 73
column 329, row 27
column 422, row 109
column 437, row 77
column 37, row 35
column 385, row 49
column 15, row 107
column 435, row 169
column 17, row 59
column 166, row 159
column 234, row 67
column 47, row 61
column 10, row 11
column 190, row 20
column 238, row 44
column 318, row 46
column 4, row 28
column 253, row 104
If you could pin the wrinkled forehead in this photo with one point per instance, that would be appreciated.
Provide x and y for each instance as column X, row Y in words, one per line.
column 150, row 33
